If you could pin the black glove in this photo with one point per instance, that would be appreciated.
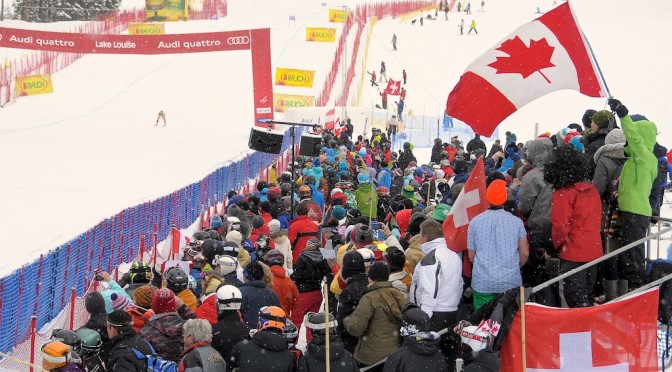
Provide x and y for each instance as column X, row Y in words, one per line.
column 617, row 107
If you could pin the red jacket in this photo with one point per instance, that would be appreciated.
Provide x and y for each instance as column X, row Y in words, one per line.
column 300, row 231
column 286, row 290
column 576, row 217
column 208, row 309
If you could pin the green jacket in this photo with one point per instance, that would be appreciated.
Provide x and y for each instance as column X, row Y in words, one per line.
column 367, row 200
column 640, row 169
column 376, row 321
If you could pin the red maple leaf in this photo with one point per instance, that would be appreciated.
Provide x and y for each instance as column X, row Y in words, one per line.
column 522, row 59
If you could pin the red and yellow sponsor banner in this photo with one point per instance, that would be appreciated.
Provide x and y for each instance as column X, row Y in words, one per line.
column 146, row 29
column 294, row 78
column 34, row 84
column 339, row 16
column 125, row 44
column 320, row 34
column 282, row 102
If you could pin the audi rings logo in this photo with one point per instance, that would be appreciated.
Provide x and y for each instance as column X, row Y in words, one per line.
column 238, row 40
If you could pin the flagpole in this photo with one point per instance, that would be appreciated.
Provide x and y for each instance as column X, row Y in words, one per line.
column 522, row 326
column 590, row 49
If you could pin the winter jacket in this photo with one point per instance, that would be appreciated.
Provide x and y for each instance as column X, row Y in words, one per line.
column 227, row 332
column 531, row 184
column 594, row 141
column 476, row 144
column 164, row 332
column 414, row 253
column 641, row 168
column 107, row 295
column 232, row 279
column 300, row 231
column 122, row 357
column 314, row 359
column 397, row 185
column 309, row 271
column 208, row 308
column 283, row 245
column 98, row 322
column 419, row 353
column 437, row 279
column 576, row 216
column 405, row 158
column 316, row 172
column 317, row 196
column 347, row 303
column 266, row 351
column 286, row 290
column 201, row 357
column 255, row 296
column 367, row 200
column 139, row 318
column 437, row 149
column 376, row 321
column 609, row 160
column 402, row 281
column 93, row 363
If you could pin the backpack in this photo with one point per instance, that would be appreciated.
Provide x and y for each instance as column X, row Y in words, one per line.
column 655, row 270
column 156, row 363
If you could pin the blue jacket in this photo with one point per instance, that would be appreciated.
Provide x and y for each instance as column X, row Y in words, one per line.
column 318, row 196
column 255, row 296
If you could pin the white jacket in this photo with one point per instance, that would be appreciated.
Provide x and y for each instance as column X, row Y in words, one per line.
column 437, row 280
column 395, row 278
column 283, row 244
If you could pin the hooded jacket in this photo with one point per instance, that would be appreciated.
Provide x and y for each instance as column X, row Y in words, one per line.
column 286, row 290
column 227, row 332
column 641, row 168
column 367, row 200
column 255, row 296
column 266, row 351
column 164, row 332
column 414, row 252
column 419, row 353
column 609, row 160
column 314, row 359
column 347, row 303
column 122, row 357
column 533, row 182
column 576, row 216
column 309, row 270
column 376, row 321
column 283, row 245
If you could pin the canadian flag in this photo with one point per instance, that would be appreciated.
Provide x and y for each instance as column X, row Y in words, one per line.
column 614, row 337
column 393, row 88
column 179, row 240
column 330, row 119
column 470, row 203
column 545, row 55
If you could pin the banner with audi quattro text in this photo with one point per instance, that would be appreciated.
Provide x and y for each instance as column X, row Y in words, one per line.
column 339, row 16
column 34, row 84
column 294, row 78
column 320, row 34
column 125, row 44
column 146, row 29
column 177, row 10
column 282, row 102
column 156, row 10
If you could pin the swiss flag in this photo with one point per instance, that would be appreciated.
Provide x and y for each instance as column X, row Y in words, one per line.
column 470, row 203
column 330, row 119
column 617, row 336
column 179, row 240
column 540, row 57
column 393, row 88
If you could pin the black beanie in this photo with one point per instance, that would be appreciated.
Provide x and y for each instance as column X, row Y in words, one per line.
column 253, row 271
column 212, row 248
column 119, row 318
column 379, row 272
column 396, row 258
column 94, row 303
column 353, row 264
column 587, row 118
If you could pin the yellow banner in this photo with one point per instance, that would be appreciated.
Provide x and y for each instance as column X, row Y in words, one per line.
column 156, row 10
column 146, row 29
column 294, row 78
column 339, row 16
column 282, row 102
column 34, row 84
column 320, row 34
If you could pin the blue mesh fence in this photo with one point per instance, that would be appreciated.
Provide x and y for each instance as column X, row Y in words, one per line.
column 109, row 243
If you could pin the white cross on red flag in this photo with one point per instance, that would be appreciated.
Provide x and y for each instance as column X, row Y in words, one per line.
column 618, row 336
column 393, row 87
column 470, row 203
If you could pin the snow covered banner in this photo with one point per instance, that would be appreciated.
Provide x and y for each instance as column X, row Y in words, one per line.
column 540, row 57
column 34, row 84
column 617, row 336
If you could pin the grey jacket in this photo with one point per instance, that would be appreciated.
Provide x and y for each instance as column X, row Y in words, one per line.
column 533, row 182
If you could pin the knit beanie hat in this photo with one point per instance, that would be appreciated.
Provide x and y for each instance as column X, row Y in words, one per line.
column 496, row 193
column 603, row 118
column 353, row 264
column 379, row 272
column 274, row 226
column 363, row 178
column 164, row 301
column 408, row 191
column 234, row 236
column 395, row 258
column 253, row 271
column 257, row 222
column 143, row 296
column 615, row 136
column 363, row 234
column 441, row 212
column 119, row 318
column 120, row 302
column 587, row 117
column 94, row 303
column 338, row 212
column 215, row 222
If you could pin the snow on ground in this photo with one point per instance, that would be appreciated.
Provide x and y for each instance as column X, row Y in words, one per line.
column 89, row 150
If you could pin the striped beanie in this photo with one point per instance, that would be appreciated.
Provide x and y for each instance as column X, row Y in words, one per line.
column 120, row 302
column 143, row 296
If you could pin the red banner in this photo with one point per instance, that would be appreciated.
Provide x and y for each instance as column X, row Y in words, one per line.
column 129, row 44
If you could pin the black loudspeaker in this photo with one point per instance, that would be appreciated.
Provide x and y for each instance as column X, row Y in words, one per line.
column 310, row 145
column 265, row 141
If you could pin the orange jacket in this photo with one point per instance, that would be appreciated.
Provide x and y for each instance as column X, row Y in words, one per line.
column 286, row 290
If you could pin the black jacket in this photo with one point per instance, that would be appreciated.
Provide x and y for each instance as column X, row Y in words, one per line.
column 405, row 158
column 309, row 270
column 255, row 296
column 419, row 353
column 347, row 303
column 315, row 356
column 476, row 144
column 227, row 332
column 437, row 149
column 98, row 323
column 265, row 352
column 122, row 357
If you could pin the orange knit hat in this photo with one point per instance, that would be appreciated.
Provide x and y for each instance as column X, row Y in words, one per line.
column 496, row 194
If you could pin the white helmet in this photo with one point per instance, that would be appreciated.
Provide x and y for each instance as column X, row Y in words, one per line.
column 225, row 264
column 228, row 298
column 234, row 223
column 369, row 257
column 477, row 340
